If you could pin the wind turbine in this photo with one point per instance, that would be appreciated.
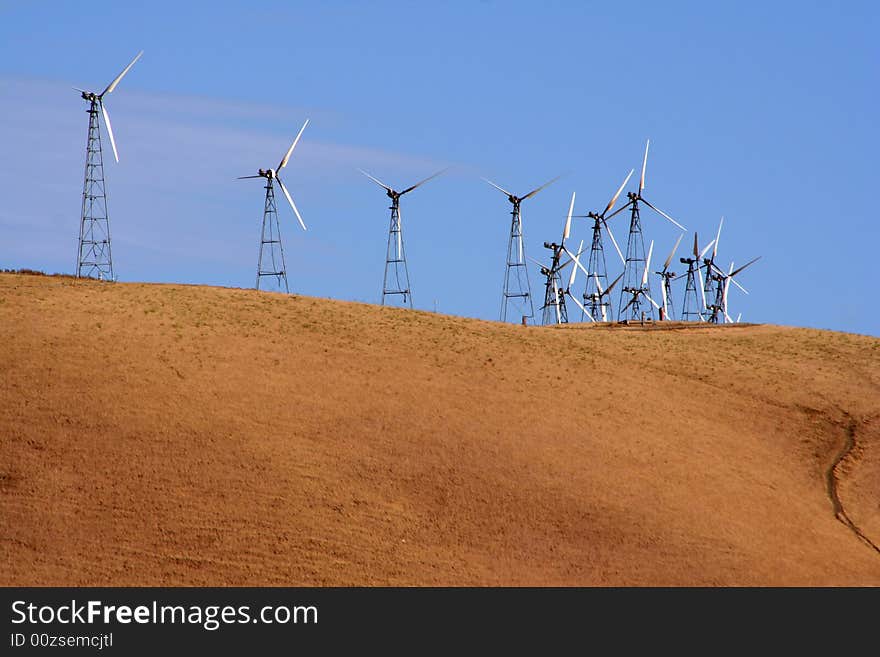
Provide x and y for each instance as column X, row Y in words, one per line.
column 709, row 263
column 635, row 247
column 666, row 278
column 596, row 267
column 554, row 310
column 643, row 290
column 516, row 277
column 693, row 310
column 395, row 257
column 722, row 284
column 271, row 261
column 93, row 256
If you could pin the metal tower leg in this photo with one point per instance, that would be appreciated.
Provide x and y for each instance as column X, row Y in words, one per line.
column 93, row 258
column 271, row 262
column 517, row 289
column 634, row 269
column 395, row 260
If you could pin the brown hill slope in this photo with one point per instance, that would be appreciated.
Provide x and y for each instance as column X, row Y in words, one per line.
column 163, row 434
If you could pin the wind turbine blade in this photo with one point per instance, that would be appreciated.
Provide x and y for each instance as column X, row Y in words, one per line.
column 581, row 306
column 717, row 238
column 631, row 301
column 672, row 253
column 656, row 305
column 648, row 263
column 664, row 214
column 109, row 129
column 614, row 241
column 500, row 189
column 290, row 200
column 734, row 273
column 567, row 231
column 399, row 232
column 537, row 262
column 292, row 146
column 376, row 180
column 112, row 85
column 703, row 252
column 702, row 288
column 617, row 193
column 738, row 317
column 422, row 182
column 735, row 282
column 644, row 166
column 696, row 248
column 576, row 261
column 538, row 189
column 615, row 282
column 598, row 285
column 245, row 177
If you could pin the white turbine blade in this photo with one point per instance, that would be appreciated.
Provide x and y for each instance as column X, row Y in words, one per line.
column 750, row 262
column 614, row 242
column 648, row 263
column 109, row 130
column 112, row 85
column 735, row 282
column 376, row 180
column 567, row 230
column 705, row 250
column 665, row 300
column 538, row 189
column 727, row 319
column 537, row 262
column 717, row 238
column 521, row 233
column 577, row 262
column 292, row 146
column 672, row 253
column 644, row 166
column 738, row 317
column 617, row 193
column 290, row 200
column 702, row 288
column 663, row 214
column 500, row 189
column 581, row 306
column 604, row 313
column 656, row 305
column 598, row 285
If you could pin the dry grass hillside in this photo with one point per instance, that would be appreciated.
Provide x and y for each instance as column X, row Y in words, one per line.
column 178, row 435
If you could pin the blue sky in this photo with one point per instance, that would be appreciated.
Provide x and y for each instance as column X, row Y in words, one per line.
column 762, row 112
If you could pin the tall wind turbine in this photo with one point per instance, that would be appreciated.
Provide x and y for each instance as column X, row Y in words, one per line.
column 693, row 306
column 635, row 248
column 271, row 261
column 666, row 278
column 597, row 276
column 395, row 256
column 643, row 290
column 718, row 308
column 516, row 277
column 94, row 258
column 554, row 310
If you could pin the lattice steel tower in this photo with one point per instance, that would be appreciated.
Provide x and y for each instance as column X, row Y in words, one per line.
column 395, row 282
column 517, row 289
column 94, row 258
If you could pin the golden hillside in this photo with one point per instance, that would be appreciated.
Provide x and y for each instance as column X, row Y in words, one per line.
column 181, row 435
